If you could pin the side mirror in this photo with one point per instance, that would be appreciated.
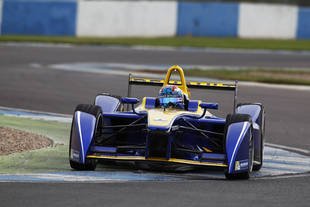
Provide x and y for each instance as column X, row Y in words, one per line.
column 132, row 101
column 127, row 100
column 205, row 105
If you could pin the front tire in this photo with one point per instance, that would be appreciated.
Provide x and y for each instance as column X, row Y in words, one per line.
column 244, row 175
column 257, row 167
column 90, row 164
column 235, row 118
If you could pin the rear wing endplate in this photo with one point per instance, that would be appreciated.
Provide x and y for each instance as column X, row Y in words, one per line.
column 192, row 84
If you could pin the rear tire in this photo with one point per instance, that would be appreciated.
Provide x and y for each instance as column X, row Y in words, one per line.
column 90, row 164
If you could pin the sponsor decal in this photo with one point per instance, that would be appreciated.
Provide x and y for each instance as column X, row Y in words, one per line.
column 241, row 165
column 75, row 155
column 237, row 165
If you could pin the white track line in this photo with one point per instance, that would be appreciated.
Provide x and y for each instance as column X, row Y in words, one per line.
column 164, row 48
column 288, row 148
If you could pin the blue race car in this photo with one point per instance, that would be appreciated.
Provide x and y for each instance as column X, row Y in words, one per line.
column 168, row 131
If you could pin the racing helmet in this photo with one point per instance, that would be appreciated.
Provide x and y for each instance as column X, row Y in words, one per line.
column 171, row 96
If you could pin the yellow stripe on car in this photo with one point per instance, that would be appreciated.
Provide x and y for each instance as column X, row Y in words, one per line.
column 171, row 160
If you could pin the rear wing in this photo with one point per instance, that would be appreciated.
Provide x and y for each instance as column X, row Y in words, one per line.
column 192, row 84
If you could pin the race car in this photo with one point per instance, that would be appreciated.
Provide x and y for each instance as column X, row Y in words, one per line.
column 168, row 131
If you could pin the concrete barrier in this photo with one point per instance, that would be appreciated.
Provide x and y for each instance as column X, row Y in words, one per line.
column 207, row 19
column 303, row 31
column 148, row 18
column 38, row 17
column 126, row 18
column 267, row 21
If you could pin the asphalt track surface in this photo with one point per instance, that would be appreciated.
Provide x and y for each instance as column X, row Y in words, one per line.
column 212, row 57
column 40, row 88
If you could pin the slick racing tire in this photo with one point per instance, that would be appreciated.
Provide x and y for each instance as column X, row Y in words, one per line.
column 245, row 175
column 90, row 164
column 258, row 165
column 235, row 118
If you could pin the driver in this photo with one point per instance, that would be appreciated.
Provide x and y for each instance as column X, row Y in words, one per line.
column 171, row 96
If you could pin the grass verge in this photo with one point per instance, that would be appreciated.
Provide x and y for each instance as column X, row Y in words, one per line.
column 50, row 159
column 170, row 41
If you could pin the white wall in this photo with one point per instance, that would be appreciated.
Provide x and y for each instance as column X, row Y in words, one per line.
column 126, row 18
column 267, row 21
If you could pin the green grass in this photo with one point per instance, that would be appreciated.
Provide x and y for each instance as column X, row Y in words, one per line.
column 171, row 41
column 50, row 159
column 276, row 76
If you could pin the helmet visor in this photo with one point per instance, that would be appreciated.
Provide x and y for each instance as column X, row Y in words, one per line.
column 166, row 101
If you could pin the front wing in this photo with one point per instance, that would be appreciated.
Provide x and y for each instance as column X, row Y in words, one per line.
column 236, row 141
